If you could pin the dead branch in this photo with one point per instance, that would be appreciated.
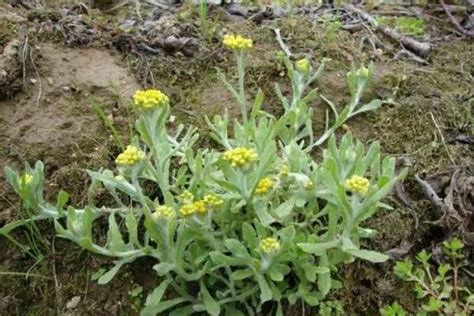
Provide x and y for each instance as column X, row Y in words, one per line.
column 283, row 46
column 431, row 195
column 455, row 23
column 420, row 48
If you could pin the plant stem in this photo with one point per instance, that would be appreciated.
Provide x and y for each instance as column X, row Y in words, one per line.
column 240, row 59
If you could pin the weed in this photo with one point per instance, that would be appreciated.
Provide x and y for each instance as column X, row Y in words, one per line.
column 438, row 289
column 410, row 25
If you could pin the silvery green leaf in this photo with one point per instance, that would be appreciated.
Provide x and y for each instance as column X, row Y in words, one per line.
column 265, row 290
column 263, row 215
column 319, row 249
column 237, row 248
column 249, row 235
column 284, row 209
column 211, row 305
column 369, row 255
column 163, row 268
column 115, row 241
column 107, row 276
column 324, row 279
column 242, row 274
column 155, row 309
column 371, row 106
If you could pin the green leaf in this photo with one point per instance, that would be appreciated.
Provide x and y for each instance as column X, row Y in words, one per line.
column 152, row 310
column 62, row 199
column 132, row 227
column 369, row 255
column 324, row 279
column 319, row 248
column 257, row 104
column 265, row 291
column 237, row 248
column 163, row 268
column 264, row 217
column 107, row 276
column 212, row 307
column 242, row 274
column 154, row 298
column 284, row 209
column 114, row 237
column 371, row 106
column 275, row 275
column 182, row 311
column 249, row 235
column 312, row 298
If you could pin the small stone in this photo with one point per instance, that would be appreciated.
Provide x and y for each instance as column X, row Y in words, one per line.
column 33, row 81
column 66, row 88
column 236, row 9
column 50, row 80
column 73, row 302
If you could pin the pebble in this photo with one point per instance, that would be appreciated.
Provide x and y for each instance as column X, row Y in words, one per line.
column 73, row 302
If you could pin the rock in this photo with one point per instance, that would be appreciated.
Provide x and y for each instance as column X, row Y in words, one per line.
column 237, row 9
column 10, row 69
column 73, row 302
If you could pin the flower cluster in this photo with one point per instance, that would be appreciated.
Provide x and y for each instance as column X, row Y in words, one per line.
column 357, row 184
column 198, row 207
column 269, row 245
column 187, row 210
column 26, row 179
column 212, row 200
column 237, row 42
column 302, row 65
column 163, row 211
column 284, row 170
column 130, row 156
column 186, row 197
column 149, row 99
column 264, row 186
column 308, row 185
column 240, row 156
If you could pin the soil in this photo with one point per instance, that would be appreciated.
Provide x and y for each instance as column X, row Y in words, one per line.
column 52, row 119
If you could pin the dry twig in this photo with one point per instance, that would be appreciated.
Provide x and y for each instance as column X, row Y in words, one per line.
column 420, row 48
column 456, row 24
column 283, row 46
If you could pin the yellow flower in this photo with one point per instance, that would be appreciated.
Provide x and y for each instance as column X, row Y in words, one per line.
column 357, row 184
column 212, row 200
column 186, row 196
column 130, row 156
column 240, row 156
column 308, row 185
column 302, row 65
column 149, row 99
column 187, row 210
column 237, row 42
column 200, row 207
column 163, row 211
column 264, row 186
column 269, row 245
column 26, row 179
column 284, row 170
